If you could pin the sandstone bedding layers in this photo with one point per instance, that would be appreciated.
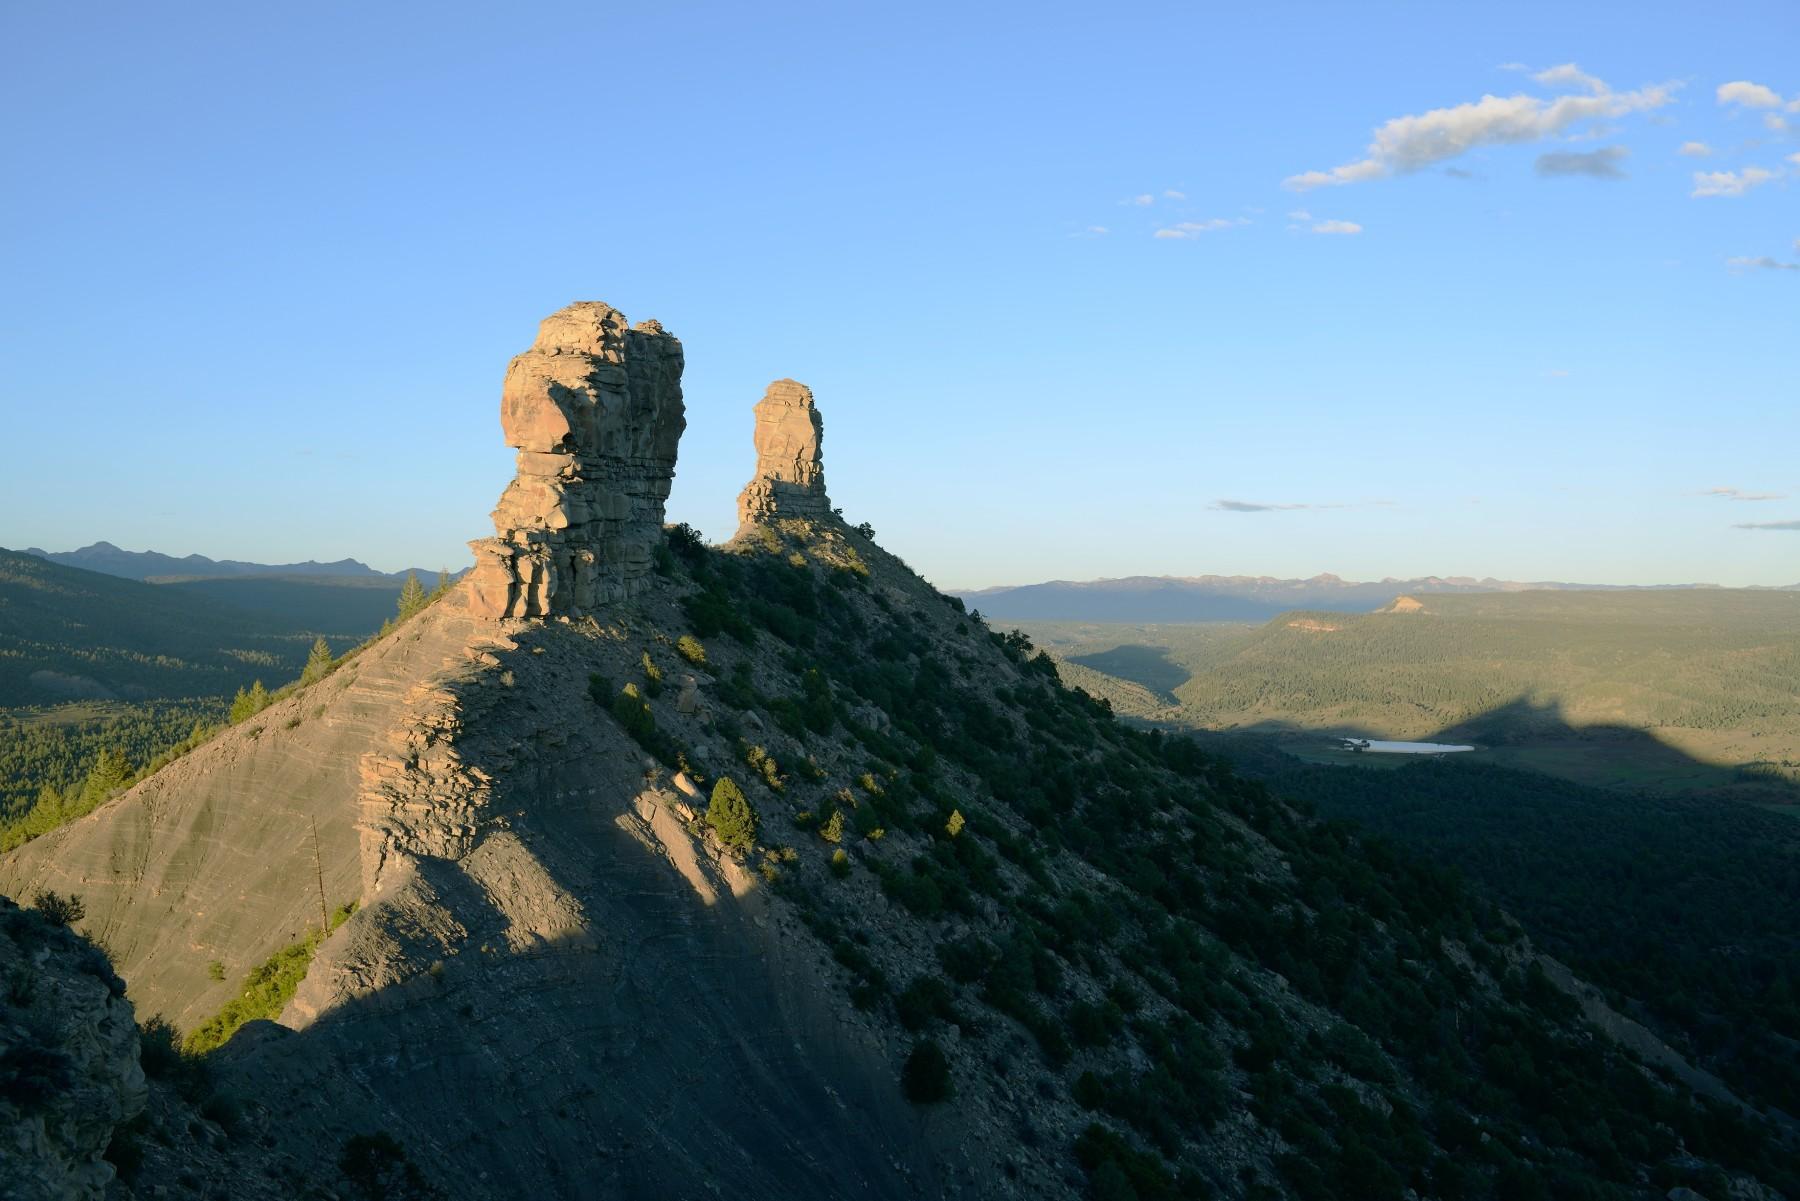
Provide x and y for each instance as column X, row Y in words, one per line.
column 595, row 410
column 790, row 469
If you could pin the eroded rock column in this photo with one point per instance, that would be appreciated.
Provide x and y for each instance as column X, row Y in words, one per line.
column 595, row 410
column 790, row 471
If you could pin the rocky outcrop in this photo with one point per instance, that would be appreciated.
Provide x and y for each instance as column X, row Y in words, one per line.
column 595, row 410
column 790, row 472
column 69, row 1070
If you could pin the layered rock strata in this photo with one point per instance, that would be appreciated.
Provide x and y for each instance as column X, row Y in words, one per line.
column 595, row 410
column 790, row 471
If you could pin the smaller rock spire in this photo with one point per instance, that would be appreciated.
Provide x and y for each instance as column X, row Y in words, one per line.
column 790, row 471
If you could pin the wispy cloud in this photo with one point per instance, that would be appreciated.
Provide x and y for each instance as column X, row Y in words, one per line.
column 1247, row 506
column 1141, row 201
column 1760, row 262
column 1172, row 194
column 1767, row 525
column 1406, row 144
column 1695, row 150
column 1596, row 164
column 1337, row 227
column 1740, row 494
column 1731, row 183
column 1194, row 229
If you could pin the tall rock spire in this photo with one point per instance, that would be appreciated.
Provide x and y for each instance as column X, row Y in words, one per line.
column 790, row 473
column 595, row 410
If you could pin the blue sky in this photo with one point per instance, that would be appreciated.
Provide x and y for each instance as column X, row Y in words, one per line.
column 265, row 270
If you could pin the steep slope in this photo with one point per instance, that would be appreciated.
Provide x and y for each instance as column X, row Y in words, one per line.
column 943, row 928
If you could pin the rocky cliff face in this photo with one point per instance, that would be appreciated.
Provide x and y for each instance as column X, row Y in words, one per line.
column 790, row 472
column 69, row 1072
column 595, row 410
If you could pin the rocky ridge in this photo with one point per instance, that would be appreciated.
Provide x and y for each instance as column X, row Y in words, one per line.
column 1137, row 975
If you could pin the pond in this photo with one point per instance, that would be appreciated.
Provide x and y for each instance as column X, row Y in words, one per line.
column 1377, row 746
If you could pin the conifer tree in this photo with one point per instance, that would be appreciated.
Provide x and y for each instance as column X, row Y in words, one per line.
column 730, row 816
column 443, row 584
column 317, row 663
column 412, row 596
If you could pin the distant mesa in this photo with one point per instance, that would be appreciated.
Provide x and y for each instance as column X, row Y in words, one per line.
column 790, row 468
column 155, row 567
column 595, row 410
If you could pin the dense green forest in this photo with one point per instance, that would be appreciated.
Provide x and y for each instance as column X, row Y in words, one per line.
column 1685, row 907
column 60, row 747
column 67, row 634
column 1707, row 659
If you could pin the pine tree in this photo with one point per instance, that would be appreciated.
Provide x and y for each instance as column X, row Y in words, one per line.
column 249, row 704
column 317, row 663
column 412, row 596
column 443, row 584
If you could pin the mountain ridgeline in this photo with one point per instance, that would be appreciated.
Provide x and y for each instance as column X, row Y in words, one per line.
column 766, row 870
column 1240, row 598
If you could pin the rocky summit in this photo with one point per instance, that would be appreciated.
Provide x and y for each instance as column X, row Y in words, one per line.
column 595, row 410
column 633, row 867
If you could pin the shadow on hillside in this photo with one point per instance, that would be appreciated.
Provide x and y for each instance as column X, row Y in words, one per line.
column 1523, row 734
column 595, row 1009
column 1149, row 666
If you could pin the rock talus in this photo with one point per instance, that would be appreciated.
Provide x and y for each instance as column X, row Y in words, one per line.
column 790, row 470
column 595, row 411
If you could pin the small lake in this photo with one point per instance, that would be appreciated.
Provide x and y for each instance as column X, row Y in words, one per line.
column 1375, row 746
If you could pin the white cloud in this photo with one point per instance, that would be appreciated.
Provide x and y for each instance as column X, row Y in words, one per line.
column 1731, row 183
column 1774, row 124
column 1299, row 215
column 1794, row 158
column 1410, row 143
column 1172, row 194
column 1750, row 95
column 1570, row 75
column 1193, row 229
column 1695, row 149
column 1337, row 227
column 1143, row 201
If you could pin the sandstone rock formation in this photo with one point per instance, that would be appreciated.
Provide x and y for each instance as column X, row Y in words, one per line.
column 790, row 473
column 595, row 410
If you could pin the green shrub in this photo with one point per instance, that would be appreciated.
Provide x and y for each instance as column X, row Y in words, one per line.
column 730, row 816
column 840, row 863
column 926, row 1077
column 689, row 648
column 64, row 911
column 833, row 829
column 653, row 677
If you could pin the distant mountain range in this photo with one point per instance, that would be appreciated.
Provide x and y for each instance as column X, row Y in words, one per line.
column 108, row 559
column 1235, row 597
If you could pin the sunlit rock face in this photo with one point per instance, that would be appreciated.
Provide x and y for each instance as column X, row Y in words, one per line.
column 790, row 471
column 595, row 410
